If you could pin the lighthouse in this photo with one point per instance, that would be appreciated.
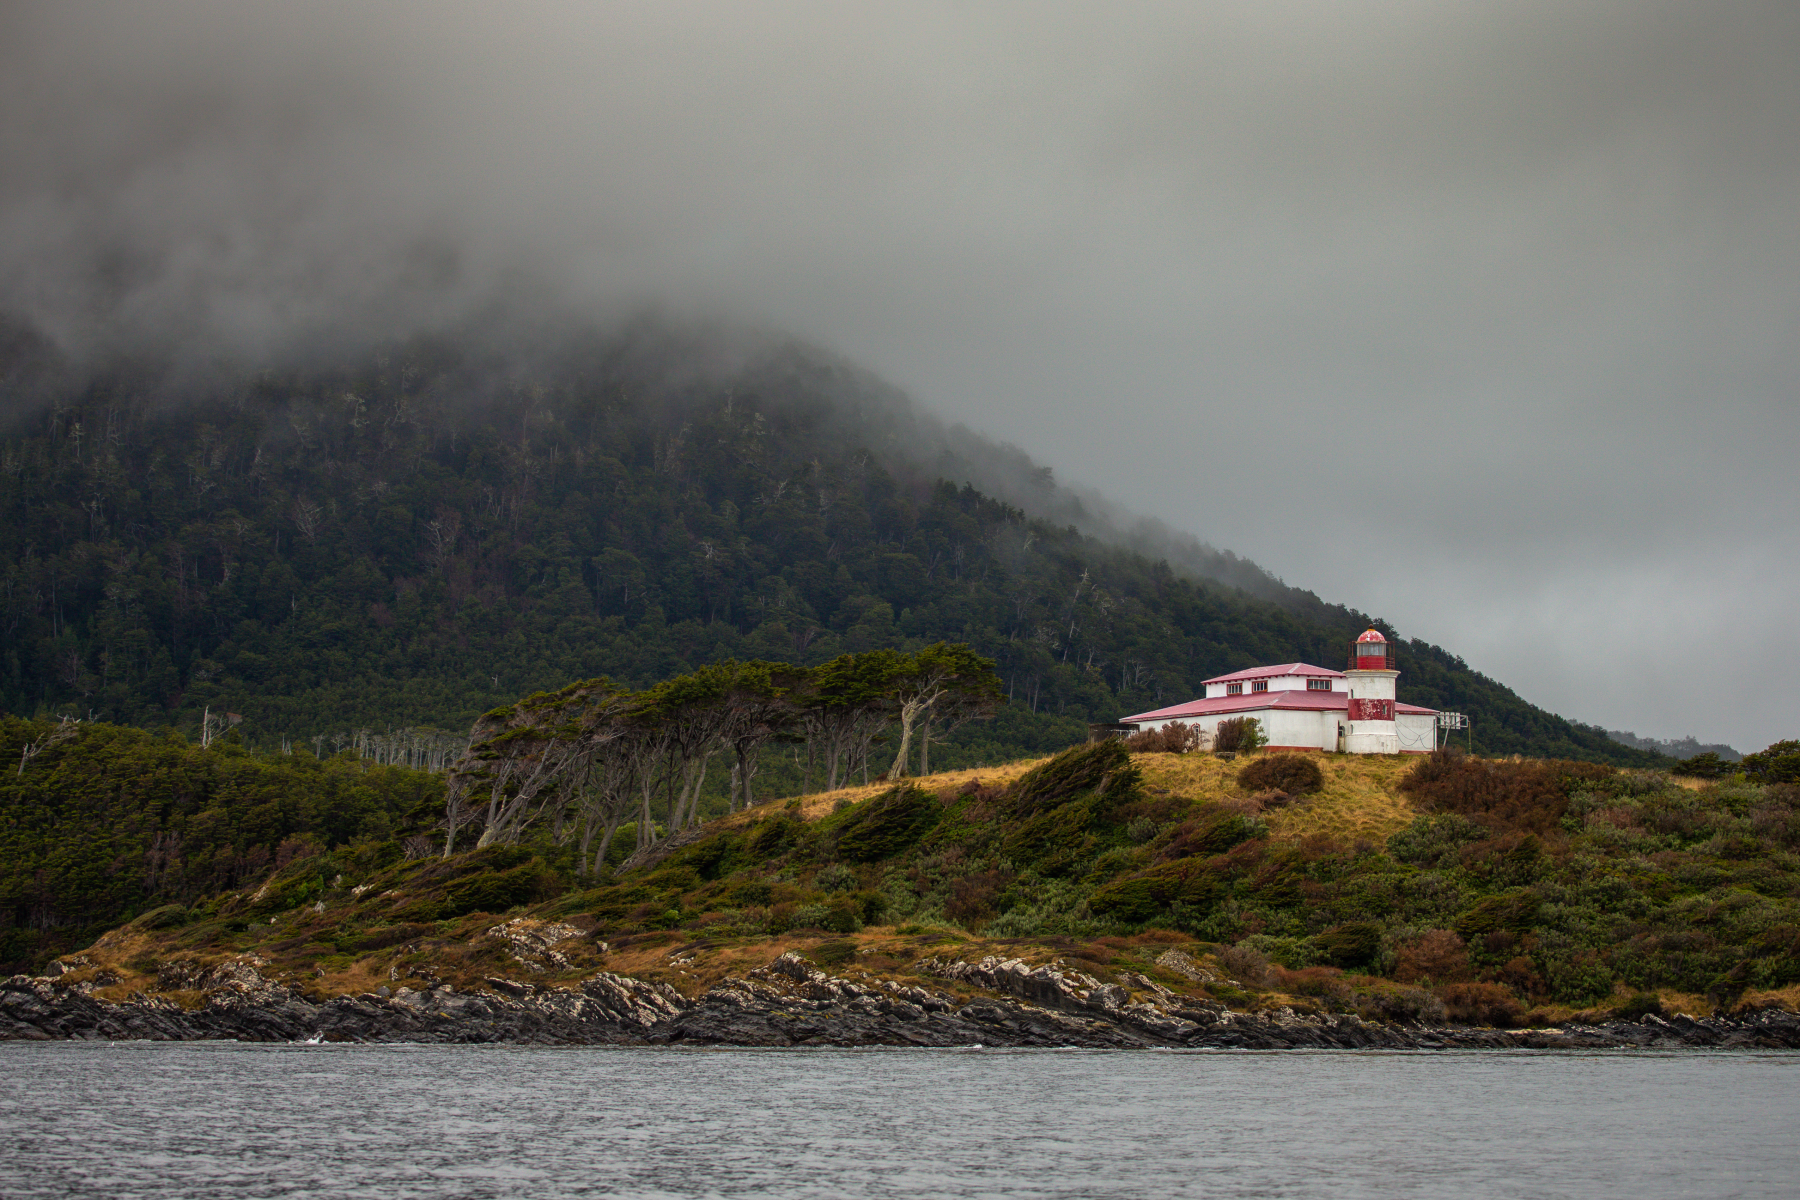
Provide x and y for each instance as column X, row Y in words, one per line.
column 1369, row 725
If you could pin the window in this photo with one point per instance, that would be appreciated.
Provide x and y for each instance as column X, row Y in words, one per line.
column 1261, row 685
column 1234, row 689
column 1318, row 685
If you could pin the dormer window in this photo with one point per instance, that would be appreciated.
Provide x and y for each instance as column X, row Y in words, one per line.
column 1318, row 685
column 1261, row 685
column 1234, row 689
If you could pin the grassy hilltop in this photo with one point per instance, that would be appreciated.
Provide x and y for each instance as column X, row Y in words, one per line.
column 1486, row 891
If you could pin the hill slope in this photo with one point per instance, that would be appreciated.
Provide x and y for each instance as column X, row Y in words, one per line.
column 418, row 534
column 1471, row 889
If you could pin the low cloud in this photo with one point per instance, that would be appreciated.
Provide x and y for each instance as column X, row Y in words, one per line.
column 1479, row 319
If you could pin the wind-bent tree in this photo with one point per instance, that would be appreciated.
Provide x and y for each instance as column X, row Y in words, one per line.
column 688, row 714
column 591, row 751
column 846, row 706
column 528, row 755
column 949, row 681
column 606, row 797
column 760, row 706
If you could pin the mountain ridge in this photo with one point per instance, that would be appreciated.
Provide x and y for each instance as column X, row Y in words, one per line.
column 421, row 531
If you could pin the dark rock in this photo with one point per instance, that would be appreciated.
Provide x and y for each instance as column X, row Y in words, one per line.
column 789, row 1002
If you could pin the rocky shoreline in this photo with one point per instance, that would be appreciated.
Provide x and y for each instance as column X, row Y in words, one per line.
column 789, row 1002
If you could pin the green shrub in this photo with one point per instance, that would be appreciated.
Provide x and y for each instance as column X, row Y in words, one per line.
column 1100, row 766
column 1352, row 944
column 501, row 858
column 1141, row 830
column 755, row 892
column 777, row 834
column 842, row 915
column 1130, row 900
column 1295, row 774
column 1239, row 735
column 1780, row 763
column 1053, row 842
column 169, row 916
column 1213, row 834
column 494, row 891
column 1431, row 839
column 831, row 954
column 1513, row 911
column 1703, row 766
column 1292, row 953
column 871, row 906
column 835, row 877
column 1142, row 897
column 289, row 893
column 888, row 825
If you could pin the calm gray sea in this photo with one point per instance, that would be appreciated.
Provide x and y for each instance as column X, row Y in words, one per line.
column 143, row 1119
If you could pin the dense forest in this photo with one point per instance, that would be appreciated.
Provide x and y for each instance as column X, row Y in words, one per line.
column 96, row 826
column 405, row 540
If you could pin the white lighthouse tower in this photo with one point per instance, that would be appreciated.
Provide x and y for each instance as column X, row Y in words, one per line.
column 1369, row 727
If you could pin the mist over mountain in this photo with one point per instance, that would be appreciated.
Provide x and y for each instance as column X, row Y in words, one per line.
column 1687, row 747
column 412, row 532
column 1182, row 254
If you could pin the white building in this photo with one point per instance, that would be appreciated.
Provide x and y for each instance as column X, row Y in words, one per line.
column 1303, row 707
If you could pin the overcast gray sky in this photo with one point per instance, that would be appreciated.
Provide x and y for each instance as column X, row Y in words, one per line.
column 1483, row 318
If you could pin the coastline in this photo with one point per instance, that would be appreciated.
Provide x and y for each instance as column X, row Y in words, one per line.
column 790, row 1002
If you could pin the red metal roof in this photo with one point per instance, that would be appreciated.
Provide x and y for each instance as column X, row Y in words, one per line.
column 1306, row 669
column 1373, row 635
column 1291, row 699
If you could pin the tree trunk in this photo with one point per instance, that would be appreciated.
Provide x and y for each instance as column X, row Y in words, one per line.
column 690, row 796
column 587, row 839
column 744, row 774
column 909, row 712
column 612, row 827
column 646, row 836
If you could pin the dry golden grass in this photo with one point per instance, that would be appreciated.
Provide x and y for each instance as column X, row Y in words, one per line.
column 814, row 805
column 1361, row 798
column 1787, row 998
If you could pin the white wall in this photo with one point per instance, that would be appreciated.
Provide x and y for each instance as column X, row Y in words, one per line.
column 1283, row 727
column 1277, row 683
column 1290, row 727
column 1373, row 685
column 1418, row 734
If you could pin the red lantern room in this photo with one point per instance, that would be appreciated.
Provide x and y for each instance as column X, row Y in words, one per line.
column 1370, row 652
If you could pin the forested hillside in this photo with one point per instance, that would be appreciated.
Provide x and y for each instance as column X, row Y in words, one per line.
column 419, row 534
column 97, row 826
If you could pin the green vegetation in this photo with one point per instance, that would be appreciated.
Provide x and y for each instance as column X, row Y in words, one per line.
column 1519, row 890
column 1239, row 735
column 417, row 537
column 113, row 822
